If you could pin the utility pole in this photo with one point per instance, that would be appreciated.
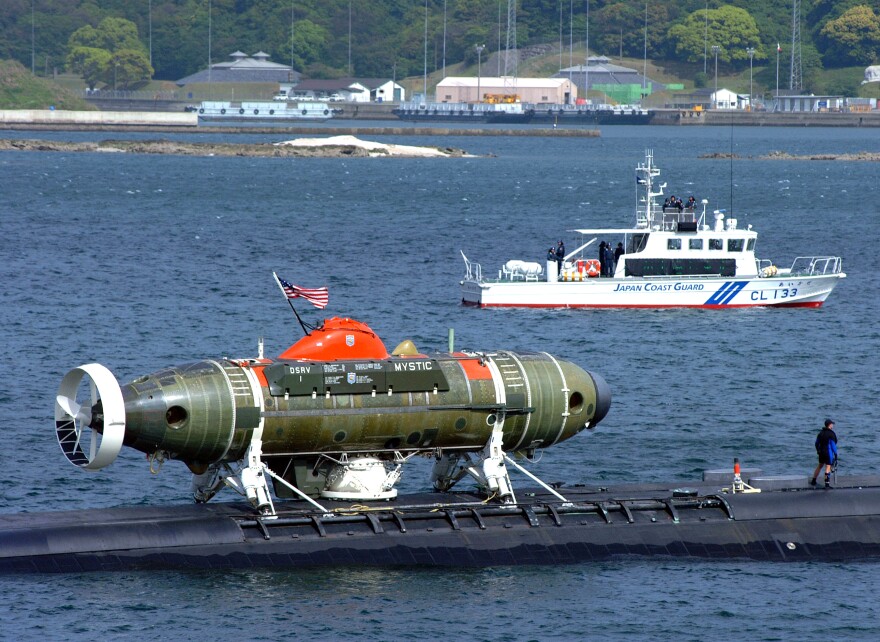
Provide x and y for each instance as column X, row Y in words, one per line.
column 796, row 82
column 479, row 49
column 751, row 52
column 645, row 69
column 444, row 38
column 587, row 59
column 715, row 50
column 426, row 52
column 706, row 38
column 33, row 42
column 349, row 37
column 778, row 51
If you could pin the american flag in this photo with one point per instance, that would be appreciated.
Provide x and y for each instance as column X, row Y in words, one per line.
column 318, row 297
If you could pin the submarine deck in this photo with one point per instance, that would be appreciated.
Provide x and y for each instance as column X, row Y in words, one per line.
column 787, row 521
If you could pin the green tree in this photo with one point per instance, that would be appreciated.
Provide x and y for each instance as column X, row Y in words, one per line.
column 309, row 43
column 89, row 62
column 128, row 68
column 109, row 53
column 853, row 38
column 731, row 28
column 112, row 34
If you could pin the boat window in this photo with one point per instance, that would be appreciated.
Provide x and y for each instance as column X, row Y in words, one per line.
column 735, row 245
column 695, row 244
column 673, row 244
column 637, row 243
column 716, row 244
column 751, row 245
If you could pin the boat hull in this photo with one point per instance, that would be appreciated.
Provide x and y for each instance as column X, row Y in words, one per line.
column 593, row 117
column 264, row 112
column 785, row 522
column 807, row 292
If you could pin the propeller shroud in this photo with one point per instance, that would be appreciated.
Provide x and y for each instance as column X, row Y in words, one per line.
column 102, row 414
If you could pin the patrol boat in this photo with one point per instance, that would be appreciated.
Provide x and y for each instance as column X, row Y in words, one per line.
column 674, row 257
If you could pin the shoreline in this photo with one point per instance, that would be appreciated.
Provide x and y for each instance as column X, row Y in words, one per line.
column 297, row 148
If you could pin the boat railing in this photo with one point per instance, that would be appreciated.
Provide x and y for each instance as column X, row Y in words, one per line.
column 472, row 271
column 816, row 265
column 666, row 219
column 765, row 267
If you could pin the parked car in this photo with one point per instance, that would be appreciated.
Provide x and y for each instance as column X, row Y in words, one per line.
column 336, row 98
column 280, row 97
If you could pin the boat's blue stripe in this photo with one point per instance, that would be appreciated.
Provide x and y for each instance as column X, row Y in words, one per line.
column 726, row 293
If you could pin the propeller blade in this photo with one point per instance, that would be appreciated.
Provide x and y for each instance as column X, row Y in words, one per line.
column 79, row 431
column 94, row 446
column 68, row 405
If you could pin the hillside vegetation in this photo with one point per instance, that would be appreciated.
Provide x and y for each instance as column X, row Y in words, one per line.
column 124, row 44
column 21, row 90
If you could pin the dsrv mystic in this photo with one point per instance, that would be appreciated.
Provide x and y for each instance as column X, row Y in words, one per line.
column 334, row 417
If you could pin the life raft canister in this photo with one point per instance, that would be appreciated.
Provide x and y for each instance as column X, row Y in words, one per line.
column 593, row 268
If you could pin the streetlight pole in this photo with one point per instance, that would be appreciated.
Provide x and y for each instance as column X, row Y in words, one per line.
column 715, row 49
column 751, row 52
column 778, row 51
column 479, row 49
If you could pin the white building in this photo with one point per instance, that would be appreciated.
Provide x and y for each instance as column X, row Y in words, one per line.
column 461, row 89
column 355, row 90
column 726, row 99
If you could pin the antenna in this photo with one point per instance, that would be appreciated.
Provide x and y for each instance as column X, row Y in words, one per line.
column 796, row 82
column 731, row 168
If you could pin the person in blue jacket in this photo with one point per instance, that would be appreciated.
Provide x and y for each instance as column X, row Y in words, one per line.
column 826, row 448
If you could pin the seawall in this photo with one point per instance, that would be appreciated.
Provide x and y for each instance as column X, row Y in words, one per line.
column 765, row 119
column 11, row 118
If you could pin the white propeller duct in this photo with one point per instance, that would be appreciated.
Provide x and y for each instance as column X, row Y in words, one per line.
column 73, row 418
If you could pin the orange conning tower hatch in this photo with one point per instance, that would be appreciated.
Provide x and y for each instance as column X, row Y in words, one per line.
column 338, row 339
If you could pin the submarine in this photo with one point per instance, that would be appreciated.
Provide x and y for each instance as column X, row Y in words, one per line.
column 314, row 441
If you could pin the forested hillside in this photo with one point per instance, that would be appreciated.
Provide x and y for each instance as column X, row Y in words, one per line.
column 169, row 39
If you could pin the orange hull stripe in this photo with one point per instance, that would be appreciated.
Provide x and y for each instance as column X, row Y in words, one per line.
column 474, row 371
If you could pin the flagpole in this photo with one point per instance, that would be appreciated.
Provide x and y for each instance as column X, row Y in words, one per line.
column 290, row 303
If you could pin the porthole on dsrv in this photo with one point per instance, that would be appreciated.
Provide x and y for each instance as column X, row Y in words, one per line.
column 575, row 403
column 491, row 419
column 175, row 416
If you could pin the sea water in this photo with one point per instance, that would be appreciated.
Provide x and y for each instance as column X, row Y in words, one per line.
column 139, row 262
